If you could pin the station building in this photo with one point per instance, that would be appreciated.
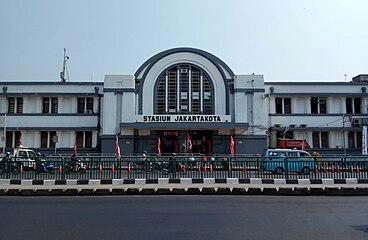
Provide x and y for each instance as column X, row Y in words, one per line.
column 178, row 94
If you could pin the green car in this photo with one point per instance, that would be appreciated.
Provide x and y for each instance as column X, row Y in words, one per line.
column 279, row 161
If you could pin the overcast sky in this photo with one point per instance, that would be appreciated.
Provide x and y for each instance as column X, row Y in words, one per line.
column 285, row 40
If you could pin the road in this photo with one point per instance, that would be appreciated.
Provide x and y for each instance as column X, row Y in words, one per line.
column 184, row 217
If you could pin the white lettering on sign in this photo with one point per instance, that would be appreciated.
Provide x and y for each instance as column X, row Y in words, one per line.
column 183, row 118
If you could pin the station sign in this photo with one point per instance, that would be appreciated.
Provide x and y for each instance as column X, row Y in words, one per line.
column 183, row 118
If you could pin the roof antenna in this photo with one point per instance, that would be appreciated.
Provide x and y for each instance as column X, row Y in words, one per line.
column 65, row 69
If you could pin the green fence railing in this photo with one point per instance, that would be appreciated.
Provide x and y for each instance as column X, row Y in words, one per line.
column 154, row 167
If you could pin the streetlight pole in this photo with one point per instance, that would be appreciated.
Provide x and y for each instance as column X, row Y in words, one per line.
column 343, row 133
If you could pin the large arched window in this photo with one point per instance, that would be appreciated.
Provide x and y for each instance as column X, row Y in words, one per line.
column 184, row 89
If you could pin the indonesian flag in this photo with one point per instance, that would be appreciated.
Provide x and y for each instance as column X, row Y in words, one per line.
column 20, row 141
column 75, row 149
column 158, row 146
column 117, row 148
column 232, row 145
column 189, row 142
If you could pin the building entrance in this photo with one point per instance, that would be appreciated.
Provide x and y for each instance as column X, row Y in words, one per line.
column 177, row 142
column 169, row 142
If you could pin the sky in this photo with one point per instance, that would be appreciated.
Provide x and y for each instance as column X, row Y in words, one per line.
column 285, row 40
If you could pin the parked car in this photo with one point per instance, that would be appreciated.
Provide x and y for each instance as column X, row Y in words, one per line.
column 279, row 161
column 25, row 157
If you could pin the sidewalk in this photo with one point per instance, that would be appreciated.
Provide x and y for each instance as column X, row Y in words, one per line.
column 184, row 187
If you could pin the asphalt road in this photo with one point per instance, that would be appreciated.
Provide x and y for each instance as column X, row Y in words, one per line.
column 184, row 217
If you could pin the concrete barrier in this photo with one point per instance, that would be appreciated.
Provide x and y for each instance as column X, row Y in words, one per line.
column 86, row 192
column 102, row 191
column 239, row 191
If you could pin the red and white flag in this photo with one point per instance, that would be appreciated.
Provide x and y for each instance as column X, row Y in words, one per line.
column 75, row 149
column 189, row 142
column 232, row 145
column 158, row 146
column 20, row 141
column 117, row 148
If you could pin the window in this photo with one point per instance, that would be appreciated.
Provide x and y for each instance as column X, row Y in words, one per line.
column 184, row 89
column 89, row 106
column 45, row 105
column 44, row 139
column 81, row 102
column 320, row 140
column 47, row 139
column 19, row 105
column 85, row 105
column 318, row 105
column 11, row 105
column 84, row 139
column 49, row 108
column 353, row 105
column 293, row 155
column 283, row 105
column 15, row 105
column 54, row 105
column 354, row 139
column 12, row 139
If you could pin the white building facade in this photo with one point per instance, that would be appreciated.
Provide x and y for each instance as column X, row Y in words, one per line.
column 49, row 115
column 182, row 94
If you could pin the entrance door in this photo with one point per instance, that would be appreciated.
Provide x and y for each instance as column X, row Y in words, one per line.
column 201, row 141
column 169, row 142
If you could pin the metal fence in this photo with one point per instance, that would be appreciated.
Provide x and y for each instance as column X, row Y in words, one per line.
column 154, row 167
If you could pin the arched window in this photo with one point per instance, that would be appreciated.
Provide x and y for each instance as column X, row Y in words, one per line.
column 184, row 89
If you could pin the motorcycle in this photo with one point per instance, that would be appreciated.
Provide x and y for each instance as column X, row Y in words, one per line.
column 45, row 167
column 168, row 167
column 75, row 167
column 9, row 167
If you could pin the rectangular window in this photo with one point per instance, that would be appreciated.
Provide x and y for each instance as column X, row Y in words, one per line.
column 316, row 140
column 17, row 138
column 322, row 105
column 88, row 139
column 11, row 105
column 45, row 105
column 278, row 105
column 320, row 140
column 349, row 105
column 283, row 105
column 353, row 105
column 12, row 139
column 85, row 105
column 52, row 134
column 54, row 105
column 324, row 140
column 89, row 106
column 9, row 139
column 287, row 105
column 357, row 106
column 318, row 105
column 44, row 137
column 81, row 102
column 19, row 105
column 359, row 139
column 84, row 139
column 49, row 102
column 79, row 139
column 355, row 140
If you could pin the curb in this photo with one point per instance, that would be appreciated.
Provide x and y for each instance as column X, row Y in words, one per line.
column 284, row 191
column 184, row 181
